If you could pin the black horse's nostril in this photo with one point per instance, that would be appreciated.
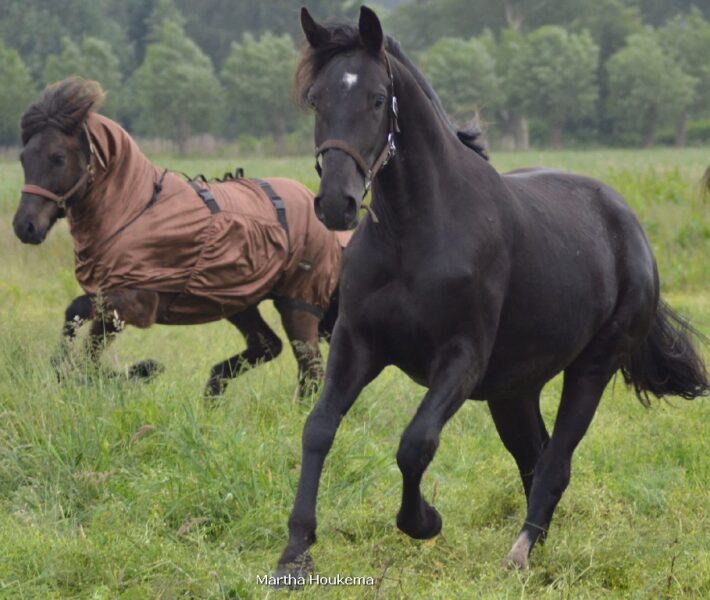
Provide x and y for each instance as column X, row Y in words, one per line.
column 30, row 228
column 350, row 210
column 317, row 207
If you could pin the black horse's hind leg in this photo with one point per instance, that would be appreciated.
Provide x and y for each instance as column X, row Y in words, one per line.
column 302, row 330
column 522, row 431
column 263, row 345
column 452, row 382
column 583, row 387
column 350, row 369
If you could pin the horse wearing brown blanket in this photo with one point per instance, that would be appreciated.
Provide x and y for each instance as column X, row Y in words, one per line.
column 151, row 247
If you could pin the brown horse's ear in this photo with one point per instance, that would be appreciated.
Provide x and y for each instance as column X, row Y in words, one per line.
column 315, row 34
column 370, row 30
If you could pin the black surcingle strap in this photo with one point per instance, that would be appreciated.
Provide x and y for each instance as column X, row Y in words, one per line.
column 206, row 196
column 278, row 203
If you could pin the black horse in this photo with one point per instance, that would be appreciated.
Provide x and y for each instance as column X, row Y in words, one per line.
column 475, row 284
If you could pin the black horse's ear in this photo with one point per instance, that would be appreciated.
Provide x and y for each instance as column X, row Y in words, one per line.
column 315, row 34
column 370, row 30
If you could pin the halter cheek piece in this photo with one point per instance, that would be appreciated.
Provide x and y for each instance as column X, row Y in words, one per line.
column 387, row 153
column 88, row 175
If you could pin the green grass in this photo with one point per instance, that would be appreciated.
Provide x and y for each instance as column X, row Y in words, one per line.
column 196, row 505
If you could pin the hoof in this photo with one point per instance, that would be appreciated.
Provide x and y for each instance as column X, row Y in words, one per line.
column 518, row 556
column 145, row 370
column 427, row 526
column 293, row 575
column 515, row 561
column 214, row 389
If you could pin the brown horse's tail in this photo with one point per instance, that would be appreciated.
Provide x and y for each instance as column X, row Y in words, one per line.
column 668, row 363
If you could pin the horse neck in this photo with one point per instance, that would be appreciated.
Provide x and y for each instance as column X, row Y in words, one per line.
column 407, row 188
column 88, row 216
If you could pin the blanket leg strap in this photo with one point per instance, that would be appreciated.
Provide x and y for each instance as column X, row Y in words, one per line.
column 278, row 203
column 282, row 301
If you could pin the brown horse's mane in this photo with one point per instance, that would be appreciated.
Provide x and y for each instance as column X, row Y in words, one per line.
column 345, row 37
column 63, row 105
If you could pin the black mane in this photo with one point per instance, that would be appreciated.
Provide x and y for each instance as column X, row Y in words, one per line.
column 345, row 37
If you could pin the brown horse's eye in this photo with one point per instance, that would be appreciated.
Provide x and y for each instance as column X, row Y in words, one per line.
column 379, row 101
column 57, row 159
column 311, row 101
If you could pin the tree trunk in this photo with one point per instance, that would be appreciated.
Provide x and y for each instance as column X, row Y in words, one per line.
column 182, row 135
column 278, row 133
column 649, row 138
column 681, row 130
column 556, row 135
column 522, row 133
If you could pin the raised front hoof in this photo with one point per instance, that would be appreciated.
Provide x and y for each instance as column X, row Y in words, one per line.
column 293, row 575
column 426, row 526
column 214, row 390
column 145, row 370
column 517, row 560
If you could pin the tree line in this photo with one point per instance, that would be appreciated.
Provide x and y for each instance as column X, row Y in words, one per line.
column 623, row 72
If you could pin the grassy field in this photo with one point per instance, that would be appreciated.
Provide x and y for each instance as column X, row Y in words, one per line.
column 115, row 489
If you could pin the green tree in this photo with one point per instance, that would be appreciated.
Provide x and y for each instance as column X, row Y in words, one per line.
column 686, row 38
column 96, row 60
column 16, row 92
column 463, row 74
column 646, row 87
column 554, row 76
column 177, row 92
column 257, row 77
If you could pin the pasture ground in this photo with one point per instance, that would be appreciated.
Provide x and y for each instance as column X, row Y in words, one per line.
column 117, row 489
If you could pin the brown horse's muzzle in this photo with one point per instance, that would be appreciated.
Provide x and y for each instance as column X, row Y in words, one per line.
column 34, row 218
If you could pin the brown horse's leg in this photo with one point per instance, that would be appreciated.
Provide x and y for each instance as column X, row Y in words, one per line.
column 302, row 330
column 262, row 346
column 77, row 313
column 113, row 311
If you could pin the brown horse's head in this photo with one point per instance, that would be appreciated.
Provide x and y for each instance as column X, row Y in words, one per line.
column 55, row 155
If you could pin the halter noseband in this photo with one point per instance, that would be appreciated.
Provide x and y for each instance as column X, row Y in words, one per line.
column 88, row 175
column 388, row 152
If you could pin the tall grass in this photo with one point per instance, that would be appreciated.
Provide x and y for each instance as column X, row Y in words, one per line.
column 110, row 488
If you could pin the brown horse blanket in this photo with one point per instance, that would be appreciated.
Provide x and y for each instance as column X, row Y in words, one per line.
column 217, row 251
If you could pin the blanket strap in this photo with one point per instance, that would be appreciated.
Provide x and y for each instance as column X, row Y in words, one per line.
column 206, row 196
column 278, row 203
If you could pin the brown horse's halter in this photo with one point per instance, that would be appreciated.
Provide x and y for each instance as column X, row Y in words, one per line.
column 387, row 153
column 88, row 175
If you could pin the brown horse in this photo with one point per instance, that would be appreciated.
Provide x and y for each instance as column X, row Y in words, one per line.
column 151, row 247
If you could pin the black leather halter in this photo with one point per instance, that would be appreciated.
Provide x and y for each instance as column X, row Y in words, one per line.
column 387, row 153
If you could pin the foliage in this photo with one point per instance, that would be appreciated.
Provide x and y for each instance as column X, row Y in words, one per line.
column 556, row 76
column 16, row 92
column 464, row 75
column 51, row 37
column 93, row 60
column 646, row 86
column 176, row 89
column 257, row 78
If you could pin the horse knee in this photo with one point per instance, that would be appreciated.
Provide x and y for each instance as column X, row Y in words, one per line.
column 416, row 450
column 319, row 431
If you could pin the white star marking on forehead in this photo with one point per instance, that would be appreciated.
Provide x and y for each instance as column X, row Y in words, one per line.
column 349, row 79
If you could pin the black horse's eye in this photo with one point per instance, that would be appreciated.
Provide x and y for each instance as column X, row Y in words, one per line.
column 311, row 101
column 379, row 101
column 57, row 159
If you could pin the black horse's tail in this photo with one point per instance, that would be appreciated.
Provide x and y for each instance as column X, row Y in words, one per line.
column 668, row 363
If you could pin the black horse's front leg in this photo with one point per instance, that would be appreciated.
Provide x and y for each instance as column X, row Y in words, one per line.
column 350, row 368
column 453, row 378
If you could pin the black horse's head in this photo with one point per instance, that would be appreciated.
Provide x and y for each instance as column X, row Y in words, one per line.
column 346, row 78
column 55, row 155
